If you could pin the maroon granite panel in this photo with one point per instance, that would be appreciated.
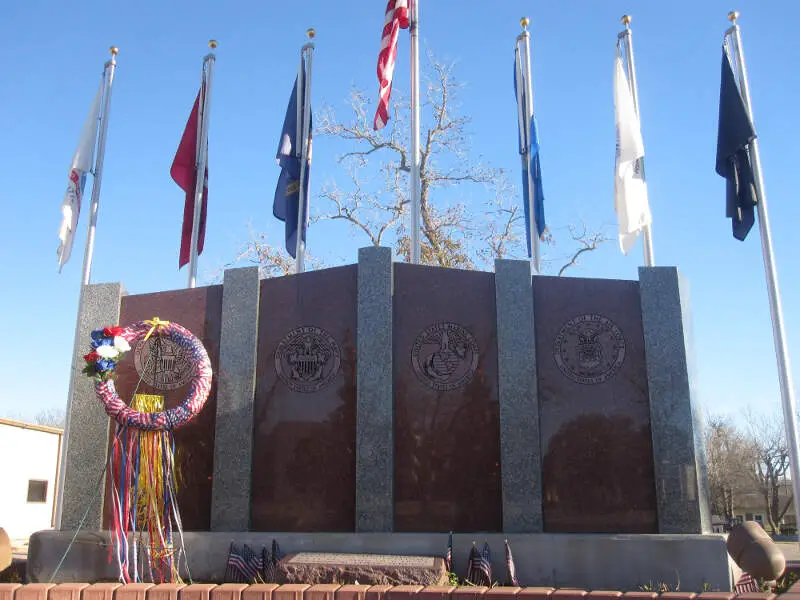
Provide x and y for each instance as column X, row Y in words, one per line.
column 200, row 311
column 305, row 406
column 595, row 417
column 447, row 448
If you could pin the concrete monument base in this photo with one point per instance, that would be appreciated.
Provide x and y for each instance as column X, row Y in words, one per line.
column 594, row 562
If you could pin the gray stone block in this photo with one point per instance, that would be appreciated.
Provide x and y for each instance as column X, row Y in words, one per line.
column 583, row 561
column 520, row 448
column 679, row 459
column 86, row 431
column 375, row 395
column 236, row 383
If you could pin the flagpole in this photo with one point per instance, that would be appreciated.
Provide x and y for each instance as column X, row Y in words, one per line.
column 109, row 68
column 630, row 67
column 779, row 336
column 88, row 254
column 528, row 103
column 304, row 83
column 202, row 157
column 415, row 159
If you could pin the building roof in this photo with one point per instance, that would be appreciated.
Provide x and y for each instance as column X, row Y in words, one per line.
column 23, row 425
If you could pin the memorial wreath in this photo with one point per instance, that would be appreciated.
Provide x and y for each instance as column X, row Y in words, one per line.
column 111, row 343
column 142, row 466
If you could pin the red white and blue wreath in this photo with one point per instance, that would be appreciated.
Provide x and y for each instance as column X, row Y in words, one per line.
column 110, row 344
column 141, row 462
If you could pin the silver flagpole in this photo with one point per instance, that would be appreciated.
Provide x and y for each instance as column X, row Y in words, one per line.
column 304, row 137
column 415, row 159
column 525, row 38
column 630, row 67
column 781, row 350
column 110, row 67
column 88, row 253
column 202, row 156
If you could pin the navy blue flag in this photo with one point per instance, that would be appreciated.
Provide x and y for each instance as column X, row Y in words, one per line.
column 529, row 150
column 287, row 192
column 734, row 135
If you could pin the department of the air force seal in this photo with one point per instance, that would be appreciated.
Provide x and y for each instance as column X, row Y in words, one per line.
column 163, row 363
column 445, row 356
column 307, row 359
column 589, row 349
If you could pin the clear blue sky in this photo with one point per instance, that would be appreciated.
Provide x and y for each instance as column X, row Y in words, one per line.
column 53, row 56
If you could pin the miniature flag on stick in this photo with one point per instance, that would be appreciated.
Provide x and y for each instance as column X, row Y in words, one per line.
column 511, row 579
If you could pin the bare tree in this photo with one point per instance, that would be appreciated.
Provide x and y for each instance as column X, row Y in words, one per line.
column 51, row 417
column 374, row 201
column 731, row 458
column 768, row 439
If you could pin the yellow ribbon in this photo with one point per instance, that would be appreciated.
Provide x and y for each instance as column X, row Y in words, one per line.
column 154, row 323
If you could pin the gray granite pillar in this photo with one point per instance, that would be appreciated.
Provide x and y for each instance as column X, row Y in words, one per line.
column 520, row 448
column 375, row 395
column 86, row 435
column 236, row 385
column 678, row 453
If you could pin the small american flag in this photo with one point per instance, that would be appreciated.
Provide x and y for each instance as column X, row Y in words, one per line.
column 397, row 17
column 511, row 567
column 747, row 583
column 479, row 569
column 449, row 558
column 234, row 571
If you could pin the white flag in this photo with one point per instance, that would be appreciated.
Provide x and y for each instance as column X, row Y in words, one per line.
column 630, row 189
column 82, row 163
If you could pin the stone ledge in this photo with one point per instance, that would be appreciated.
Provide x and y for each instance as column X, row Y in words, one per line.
column 38, row 591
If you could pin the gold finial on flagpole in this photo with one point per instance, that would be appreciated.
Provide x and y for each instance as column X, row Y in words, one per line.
column 114, row 50
column 732, row 16
column 525, row 21
column 311, row 33
column 626, row 20
column 212, row 44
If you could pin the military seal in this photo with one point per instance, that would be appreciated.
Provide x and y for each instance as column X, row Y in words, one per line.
column 445, row 356
column 307, row 359
column 589, row 349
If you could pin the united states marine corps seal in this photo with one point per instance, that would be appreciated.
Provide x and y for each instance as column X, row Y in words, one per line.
column 307, row 359
column 589, row 349
column 445, row 356
column 162, row 363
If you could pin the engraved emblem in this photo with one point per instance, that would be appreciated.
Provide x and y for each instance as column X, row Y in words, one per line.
column 589, row 349
column 445, row 356
column 307, row 359
column 163, row 363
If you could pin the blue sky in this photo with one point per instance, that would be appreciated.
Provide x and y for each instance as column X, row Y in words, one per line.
column 53, row 58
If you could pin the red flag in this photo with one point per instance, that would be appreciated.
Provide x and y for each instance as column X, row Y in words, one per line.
column 184, row 173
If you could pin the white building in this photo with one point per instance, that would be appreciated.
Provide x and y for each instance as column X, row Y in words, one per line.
column 29, row 461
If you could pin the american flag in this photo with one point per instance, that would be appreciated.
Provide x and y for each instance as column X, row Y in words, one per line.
column 747, row 583
column 511, row 567
column 397, row 17
column 479, row 569
column 449, row 558
column 243, row 565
